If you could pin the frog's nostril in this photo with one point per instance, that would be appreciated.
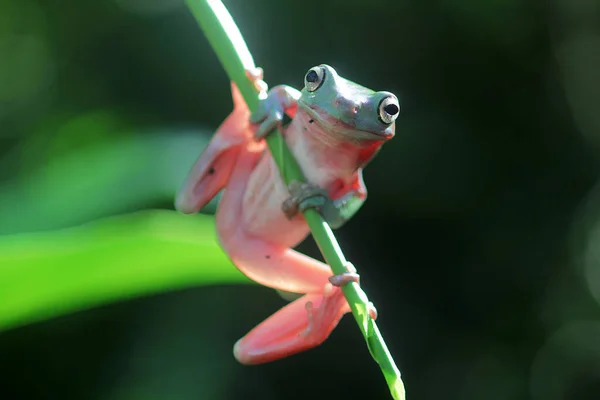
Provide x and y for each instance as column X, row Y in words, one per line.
column 347, row 105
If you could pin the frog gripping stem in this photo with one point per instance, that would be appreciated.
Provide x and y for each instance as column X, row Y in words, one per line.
column 303, row 196
column 228, row 43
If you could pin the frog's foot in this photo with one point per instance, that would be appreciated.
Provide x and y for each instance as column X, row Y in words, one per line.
column 345, row 278
column 301, row 325
column 322, row 318
column 273, row 106
column 267, row 117
column 255, row 75
column 303, row 196
column 351, row 277
column 340, row 280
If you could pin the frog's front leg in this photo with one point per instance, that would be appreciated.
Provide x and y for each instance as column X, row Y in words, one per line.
column 346, row 202
column 336, row 208
column 280, row 100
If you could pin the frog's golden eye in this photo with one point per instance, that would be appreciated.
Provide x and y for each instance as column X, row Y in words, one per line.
column 314, row 78
column 388, row 109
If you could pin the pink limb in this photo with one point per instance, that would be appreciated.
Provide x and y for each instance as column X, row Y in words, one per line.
column 211, row 172
column 299, row 326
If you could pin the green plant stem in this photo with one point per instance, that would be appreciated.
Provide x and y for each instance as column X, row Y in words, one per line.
column 228, row 43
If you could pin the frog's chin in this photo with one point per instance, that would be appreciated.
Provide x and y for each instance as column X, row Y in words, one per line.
column 337, row 126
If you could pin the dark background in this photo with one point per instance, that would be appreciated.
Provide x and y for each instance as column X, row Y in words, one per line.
column 478, row 245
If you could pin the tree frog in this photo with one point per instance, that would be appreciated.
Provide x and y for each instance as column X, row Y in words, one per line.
column 336, row 128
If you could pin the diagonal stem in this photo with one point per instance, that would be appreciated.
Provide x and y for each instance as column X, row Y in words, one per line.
column 231, row 49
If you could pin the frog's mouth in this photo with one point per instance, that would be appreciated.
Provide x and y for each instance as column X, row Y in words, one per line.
column 336, row 125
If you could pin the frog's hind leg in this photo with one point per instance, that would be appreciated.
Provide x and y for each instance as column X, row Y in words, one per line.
column 302, row 324
column 210, row 173
column 270, row 264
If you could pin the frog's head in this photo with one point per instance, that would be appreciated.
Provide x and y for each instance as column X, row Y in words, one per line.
column 341, row 105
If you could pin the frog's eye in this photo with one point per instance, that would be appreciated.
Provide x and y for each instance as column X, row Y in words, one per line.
column 314, row 78
column 388, row 109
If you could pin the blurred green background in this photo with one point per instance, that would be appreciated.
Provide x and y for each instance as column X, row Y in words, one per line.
column 479, row 245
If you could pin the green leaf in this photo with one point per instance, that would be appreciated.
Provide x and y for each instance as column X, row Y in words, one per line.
column 116, row 176
column 46, row 274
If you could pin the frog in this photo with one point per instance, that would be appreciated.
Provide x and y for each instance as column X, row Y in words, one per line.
column 336, row 128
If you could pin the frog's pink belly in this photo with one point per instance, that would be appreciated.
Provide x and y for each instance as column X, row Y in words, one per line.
column 262, row 216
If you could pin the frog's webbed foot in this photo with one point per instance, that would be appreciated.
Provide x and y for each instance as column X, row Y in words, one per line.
column 268, row 116
column 335, row 211
column 271, row 109
column 304, row 196
column 345, row 278
column 321, row 316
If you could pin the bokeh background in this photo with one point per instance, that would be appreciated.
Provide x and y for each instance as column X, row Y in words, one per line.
column 479, row 245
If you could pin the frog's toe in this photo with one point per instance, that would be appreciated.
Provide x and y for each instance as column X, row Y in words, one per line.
column 304, row 196
column 255, row 75
column 372, row 311
column 344, row 279
column 268, row 123
column 323, row 317
column 347, row 277
column 351, row 276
